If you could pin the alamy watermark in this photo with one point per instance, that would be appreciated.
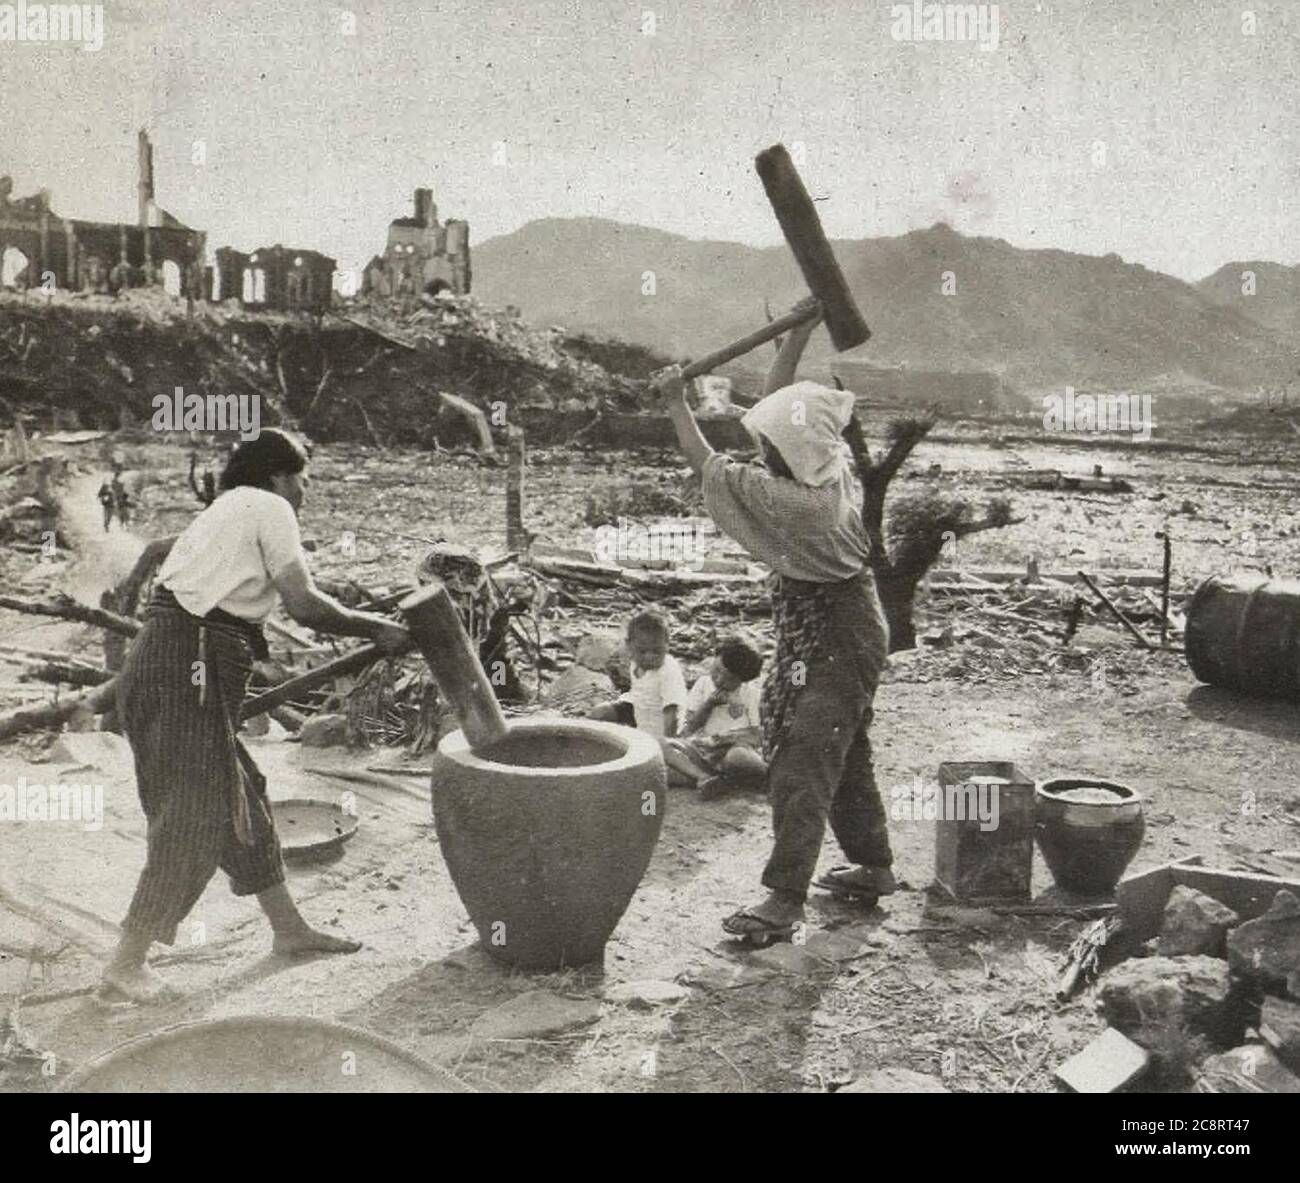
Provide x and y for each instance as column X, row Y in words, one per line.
column 33, row 802
column 1099, row 412
column 945, row 22
column 88, row 1135
column 672, row 542
column 43, row 23
column 971, row 801
column 210, row 412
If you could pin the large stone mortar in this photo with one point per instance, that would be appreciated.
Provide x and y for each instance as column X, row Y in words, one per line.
column 547, row 834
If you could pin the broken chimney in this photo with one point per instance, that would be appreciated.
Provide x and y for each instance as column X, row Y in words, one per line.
column 426, row 213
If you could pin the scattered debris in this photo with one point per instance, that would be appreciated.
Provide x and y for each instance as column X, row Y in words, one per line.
column 1083, row 962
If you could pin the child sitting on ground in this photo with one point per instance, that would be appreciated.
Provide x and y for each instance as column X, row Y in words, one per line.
column 657, row 699
column 720, row 736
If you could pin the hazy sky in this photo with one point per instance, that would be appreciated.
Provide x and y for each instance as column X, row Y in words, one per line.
column 315, row 138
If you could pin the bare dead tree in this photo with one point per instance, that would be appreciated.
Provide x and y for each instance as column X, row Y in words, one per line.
column 777, row 342
column 907, row 545
column 370, row 427
column 327, row 373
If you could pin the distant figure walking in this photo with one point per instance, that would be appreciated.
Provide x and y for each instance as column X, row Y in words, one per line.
column 121, row 501
column 108, row 501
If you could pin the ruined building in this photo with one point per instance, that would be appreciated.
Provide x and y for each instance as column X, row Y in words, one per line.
column 275, row 277
column 419, row 251
column 40, row 249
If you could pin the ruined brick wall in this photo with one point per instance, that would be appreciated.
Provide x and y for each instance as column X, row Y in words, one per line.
column 420, row 250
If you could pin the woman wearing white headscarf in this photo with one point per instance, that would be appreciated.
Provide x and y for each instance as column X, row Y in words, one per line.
column 798, row 513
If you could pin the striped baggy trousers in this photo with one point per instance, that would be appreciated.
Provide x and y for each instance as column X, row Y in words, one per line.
column 189, row 768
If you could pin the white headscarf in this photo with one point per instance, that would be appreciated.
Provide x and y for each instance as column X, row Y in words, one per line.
column 804, row 423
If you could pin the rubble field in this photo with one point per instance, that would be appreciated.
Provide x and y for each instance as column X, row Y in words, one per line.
column 915, row 994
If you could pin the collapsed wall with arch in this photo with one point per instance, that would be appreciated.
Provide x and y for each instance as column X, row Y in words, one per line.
column 419, row 252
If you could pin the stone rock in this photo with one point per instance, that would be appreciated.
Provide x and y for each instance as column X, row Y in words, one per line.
column 895, row 1080
column 1109, row 1063
column 1279, row 1027
column 1248, row 1069
column 579, row 688
column 726, row 975
column 597, row 650
column 535, row 1014
column 1194, row 923
column 324, row 731
column 791, row 959
column 1149, row 997
column 646, row 995
column 842, row 944
column 1266, row 951
column 605, row 653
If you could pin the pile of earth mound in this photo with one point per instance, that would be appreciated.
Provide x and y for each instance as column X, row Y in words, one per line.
column 368, row 370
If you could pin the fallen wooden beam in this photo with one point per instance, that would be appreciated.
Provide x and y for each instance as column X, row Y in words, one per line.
column 55, row 714
column 66, row 608
column 1109, row 603
column 477, row 420
column 349, row 663
column 36, row 654
column 71, row 673
column 1122, row 577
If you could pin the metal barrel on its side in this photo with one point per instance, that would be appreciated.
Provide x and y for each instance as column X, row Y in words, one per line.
column 1243, row 633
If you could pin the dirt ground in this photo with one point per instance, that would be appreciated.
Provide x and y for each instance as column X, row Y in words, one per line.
column 962, row 994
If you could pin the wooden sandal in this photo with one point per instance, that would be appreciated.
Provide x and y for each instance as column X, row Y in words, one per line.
column 850, row 892
column 758, row 930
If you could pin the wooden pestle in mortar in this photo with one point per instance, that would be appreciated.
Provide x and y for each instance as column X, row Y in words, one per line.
column 437, row 630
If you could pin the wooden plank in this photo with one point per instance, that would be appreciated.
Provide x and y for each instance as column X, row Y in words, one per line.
column 1015, row 574
column 1247, row 894
column 1142, row 897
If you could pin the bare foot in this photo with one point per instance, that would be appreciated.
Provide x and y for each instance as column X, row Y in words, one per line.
column 309, row 940
column 138, row 983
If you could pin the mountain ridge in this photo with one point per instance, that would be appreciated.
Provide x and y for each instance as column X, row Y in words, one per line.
column 935, row 299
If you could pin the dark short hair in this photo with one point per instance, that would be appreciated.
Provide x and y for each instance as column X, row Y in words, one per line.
column 648, row 621
column 254, row 462
column 739, row 657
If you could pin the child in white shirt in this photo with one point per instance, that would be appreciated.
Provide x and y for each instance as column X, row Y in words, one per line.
column 657, row 700
column 721, row 733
